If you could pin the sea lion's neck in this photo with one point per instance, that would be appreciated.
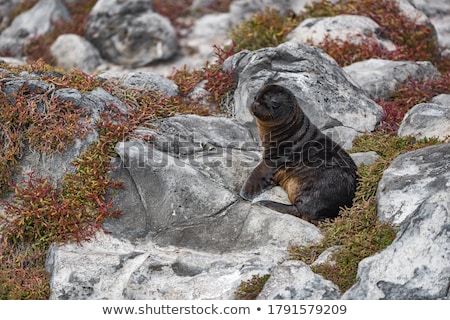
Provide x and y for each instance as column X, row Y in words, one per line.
column 293, row 128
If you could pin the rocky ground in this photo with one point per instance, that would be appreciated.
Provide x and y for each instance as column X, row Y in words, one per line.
column 184, row 232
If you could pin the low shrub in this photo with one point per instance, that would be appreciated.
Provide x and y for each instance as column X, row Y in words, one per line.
column 264, row 29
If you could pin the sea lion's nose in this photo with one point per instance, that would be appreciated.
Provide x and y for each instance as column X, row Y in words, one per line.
column 254, row 106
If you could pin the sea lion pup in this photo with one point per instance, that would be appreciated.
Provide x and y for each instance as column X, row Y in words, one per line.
column 317, row 174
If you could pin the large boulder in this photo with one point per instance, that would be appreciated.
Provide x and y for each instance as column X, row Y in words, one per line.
column 184, row 233
column 379, row 78
column 72, row 51
column 352, row 28
column 410, row 179
column 417, row 264
column 129, row 33
column 331, row 100
column 427, row 120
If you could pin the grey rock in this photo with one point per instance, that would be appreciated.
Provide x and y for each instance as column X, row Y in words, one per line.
column 130, row 33
column 352, row 28
column 183, row 232
column 74, row 52
column 324, row 92
column 432, row 7
column 417, row 264
column 327, row 257
column 34, row 22
column 211, row 24
column 55, row 167
column 442, row 26
column 110, row 268
column 214, row 158
column 144, row 81
column 178, row 195
column 379, row 78
column 410, row 179
column 366, row 158
column 344, row 136
column 408, row 9
column 294, row 280
column 13, row 85
column 426, row 120
column 442, row 99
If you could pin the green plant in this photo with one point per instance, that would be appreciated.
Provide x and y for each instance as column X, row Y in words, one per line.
column 41, row 213
column 217, row 82
column 249, row 290
column 32, row 119
column 265, row 29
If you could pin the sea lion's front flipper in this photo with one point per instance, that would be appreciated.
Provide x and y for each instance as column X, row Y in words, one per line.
column 260, row 179
column 280, row 207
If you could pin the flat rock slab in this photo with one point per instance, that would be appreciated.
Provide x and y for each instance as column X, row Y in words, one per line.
column 112, row 268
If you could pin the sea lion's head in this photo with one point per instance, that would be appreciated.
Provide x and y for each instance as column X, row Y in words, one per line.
column 273, row 104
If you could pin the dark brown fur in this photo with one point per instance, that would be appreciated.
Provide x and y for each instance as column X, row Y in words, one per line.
column 317, row 174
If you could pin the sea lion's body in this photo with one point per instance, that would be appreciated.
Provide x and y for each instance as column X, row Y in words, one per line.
column 317, row 174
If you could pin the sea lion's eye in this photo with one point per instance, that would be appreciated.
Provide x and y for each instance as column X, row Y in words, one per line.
column 275, row 103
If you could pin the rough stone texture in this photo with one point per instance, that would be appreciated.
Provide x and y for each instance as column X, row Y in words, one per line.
column 442, row 99
column 366, row 158
column 352, row 28
column 417, row 264
column 188, row 168
column 34, row 22
column 327, row 257
column 112, row 268
column 426, row 120
column 323, row 90
column 130, row 34
column 74, row 52
column 438, row 12
column 143, row 80
column 184, row 233
column 410, row 179
column 294, row 280
column 409, row 10
column 378, row 78
column 442, row 26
